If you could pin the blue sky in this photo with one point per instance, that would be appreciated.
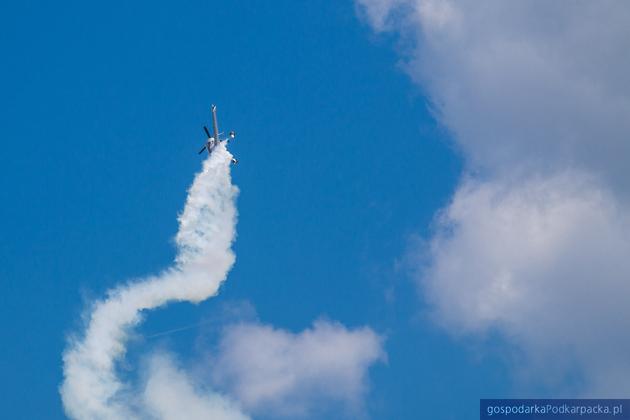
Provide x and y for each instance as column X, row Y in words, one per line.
column 341, row 166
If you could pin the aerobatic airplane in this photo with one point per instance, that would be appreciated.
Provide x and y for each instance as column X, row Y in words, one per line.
column 215, row 138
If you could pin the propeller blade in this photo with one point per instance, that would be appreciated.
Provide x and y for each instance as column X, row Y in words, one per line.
column 207, row 132
column 202, row 149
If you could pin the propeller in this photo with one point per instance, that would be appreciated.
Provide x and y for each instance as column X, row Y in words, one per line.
column 207, row 132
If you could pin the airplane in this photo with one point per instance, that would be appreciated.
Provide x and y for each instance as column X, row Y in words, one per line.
column 215, row 138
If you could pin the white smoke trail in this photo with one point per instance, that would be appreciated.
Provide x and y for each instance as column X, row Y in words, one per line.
column 91, row 388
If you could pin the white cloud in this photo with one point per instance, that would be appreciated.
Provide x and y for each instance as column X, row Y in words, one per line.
column 169, row 393
column 377, row 12
column 535, row 82
column 273, row 371
column 545, row 262
column 537, row 96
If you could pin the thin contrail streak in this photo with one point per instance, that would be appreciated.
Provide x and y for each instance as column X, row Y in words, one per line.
column 175, row 330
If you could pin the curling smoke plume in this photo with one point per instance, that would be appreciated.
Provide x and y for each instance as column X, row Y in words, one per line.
column 91, row 388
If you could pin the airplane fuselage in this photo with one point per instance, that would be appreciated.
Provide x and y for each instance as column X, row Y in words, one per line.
column 215, row 124
column 214, row 138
